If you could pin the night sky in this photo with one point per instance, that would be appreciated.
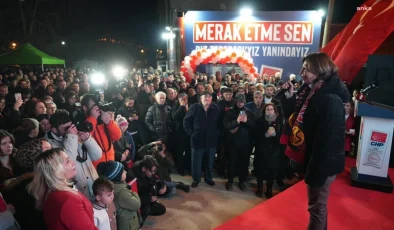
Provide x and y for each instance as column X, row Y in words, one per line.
column 138, row 19
column 135, row 20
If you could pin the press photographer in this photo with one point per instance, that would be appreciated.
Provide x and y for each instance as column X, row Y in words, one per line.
column 158, row 150
column 79, row 146
column 149, row 187
column 104, row 129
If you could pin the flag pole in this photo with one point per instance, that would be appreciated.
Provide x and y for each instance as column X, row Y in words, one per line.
column 327, row 25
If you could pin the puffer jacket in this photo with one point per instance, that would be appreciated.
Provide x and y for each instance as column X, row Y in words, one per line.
column 158, row 119
column 127, row 205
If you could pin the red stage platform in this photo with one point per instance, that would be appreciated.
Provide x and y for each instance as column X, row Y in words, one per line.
column 348, row 208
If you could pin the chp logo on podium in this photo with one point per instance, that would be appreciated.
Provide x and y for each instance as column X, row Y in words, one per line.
column 270, row 70
column 376, row 149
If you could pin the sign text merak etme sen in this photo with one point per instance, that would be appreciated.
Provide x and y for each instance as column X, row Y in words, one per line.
column 270, row 33
column 265, row 51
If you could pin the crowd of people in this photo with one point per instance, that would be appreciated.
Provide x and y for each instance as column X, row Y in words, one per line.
column 75, row 157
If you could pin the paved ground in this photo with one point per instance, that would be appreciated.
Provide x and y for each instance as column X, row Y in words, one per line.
column 205, row 207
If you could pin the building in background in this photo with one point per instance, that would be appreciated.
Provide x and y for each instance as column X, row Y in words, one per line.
column 170, row 10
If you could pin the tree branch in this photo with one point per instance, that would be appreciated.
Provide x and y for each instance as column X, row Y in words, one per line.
column 23, row 19
column 33, row 19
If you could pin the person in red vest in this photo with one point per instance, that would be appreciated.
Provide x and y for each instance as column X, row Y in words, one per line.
column 105, row 130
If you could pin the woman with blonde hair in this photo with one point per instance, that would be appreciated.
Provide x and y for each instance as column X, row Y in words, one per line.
column 63, row 207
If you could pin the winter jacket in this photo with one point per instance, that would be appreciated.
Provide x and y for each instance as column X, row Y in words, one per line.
column 143, row 183
column 165, row 164
column 324, row 132
column 178, row 113
column 202, row 126
column 66, row 210
column 86, row 173
column 158, row 120
column 223, row 107
column 120, row 146
column 99, row 134
column 241, row 138
column 128, row 112
column 253, row 107
column 125, row 142
column 144, row 101
column 267, row 152
column 127, row 205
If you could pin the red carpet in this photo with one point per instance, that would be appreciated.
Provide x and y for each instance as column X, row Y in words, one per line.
column 348, row 208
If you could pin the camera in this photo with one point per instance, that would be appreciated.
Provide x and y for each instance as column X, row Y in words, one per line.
column 84, row 126
column 78, row 119
column 107, row 106
column 155, row 186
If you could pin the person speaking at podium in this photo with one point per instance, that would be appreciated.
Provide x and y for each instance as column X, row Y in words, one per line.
column 315, row 131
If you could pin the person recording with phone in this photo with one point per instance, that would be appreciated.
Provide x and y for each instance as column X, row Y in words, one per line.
column 315, row 132
column 238, row 122
column 79, row 146
column 101, row 127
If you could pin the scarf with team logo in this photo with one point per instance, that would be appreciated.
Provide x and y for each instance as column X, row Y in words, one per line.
column 293, row 135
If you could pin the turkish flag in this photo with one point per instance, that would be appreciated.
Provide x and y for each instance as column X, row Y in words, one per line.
column 368, row 29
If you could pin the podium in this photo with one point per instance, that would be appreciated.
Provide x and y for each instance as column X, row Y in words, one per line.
column 374, row 147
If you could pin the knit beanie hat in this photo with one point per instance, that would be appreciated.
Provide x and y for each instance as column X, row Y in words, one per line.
column 121, row 120
column 111, row 169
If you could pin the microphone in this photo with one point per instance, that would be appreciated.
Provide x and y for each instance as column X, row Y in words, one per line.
column 371, row 86
column 284, row 90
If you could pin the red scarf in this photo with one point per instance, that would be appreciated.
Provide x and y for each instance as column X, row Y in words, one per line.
column 293, row 135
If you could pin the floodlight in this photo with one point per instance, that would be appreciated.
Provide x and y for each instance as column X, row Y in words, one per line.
column 119, row 71
column 321, row 13
column 246, row 12
column 98, row 78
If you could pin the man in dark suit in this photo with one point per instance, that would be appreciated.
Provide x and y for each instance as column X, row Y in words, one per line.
column 201, row 124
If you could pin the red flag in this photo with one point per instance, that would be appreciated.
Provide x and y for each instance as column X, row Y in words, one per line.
column 368, row 29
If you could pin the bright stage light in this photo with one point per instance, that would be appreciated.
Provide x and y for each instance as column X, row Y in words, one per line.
column 119, row 72
column 168, row 36
column 98, row 78
column 321, row 13
column 246, row 12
